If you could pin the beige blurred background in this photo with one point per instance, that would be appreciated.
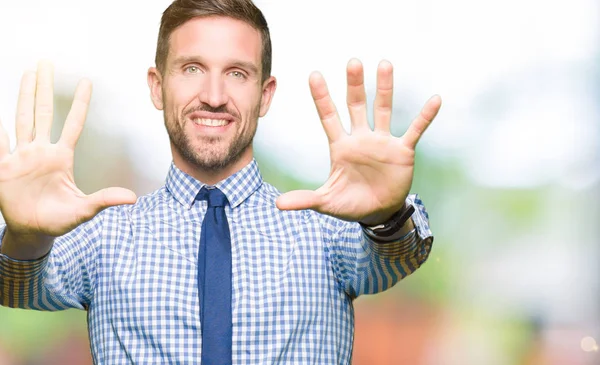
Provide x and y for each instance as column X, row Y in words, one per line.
column 509, row 171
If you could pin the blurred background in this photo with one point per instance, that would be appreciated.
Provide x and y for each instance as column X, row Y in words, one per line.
column 509, row 171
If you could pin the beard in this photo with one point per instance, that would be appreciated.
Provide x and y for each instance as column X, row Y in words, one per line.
column 215, row 153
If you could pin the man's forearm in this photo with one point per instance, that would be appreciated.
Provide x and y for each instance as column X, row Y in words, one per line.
column 25, row 247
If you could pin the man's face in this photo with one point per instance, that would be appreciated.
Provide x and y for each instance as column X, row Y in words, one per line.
column 211, row 93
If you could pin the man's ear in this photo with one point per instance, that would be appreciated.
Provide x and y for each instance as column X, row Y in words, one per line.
column 155, row 85
column 268, row 90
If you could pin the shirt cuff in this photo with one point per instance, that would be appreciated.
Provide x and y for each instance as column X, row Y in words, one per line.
column 420, row 217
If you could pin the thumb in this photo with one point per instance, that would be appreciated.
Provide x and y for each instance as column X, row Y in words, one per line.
column 298, row 200
column 105, row 198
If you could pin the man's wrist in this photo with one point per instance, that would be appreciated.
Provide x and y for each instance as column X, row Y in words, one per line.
column 399, row 224
column 25, row 247
column 382, row 217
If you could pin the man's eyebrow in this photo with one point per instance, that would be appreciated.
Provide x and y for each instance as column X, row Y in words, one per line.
column 185, row 59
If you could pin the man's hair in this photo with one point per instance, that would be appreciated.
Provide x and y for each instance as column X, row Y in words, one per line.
column 180, row 11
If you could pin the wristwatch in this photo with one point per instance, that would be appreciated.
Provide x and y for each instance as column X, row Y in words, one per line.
column 385, row 231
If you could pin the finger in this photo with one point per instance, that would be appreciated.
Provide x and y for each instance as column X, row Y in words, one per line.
column 298, row 200
column 356, row 97
column 325, row 107
column 4, row 142
column 421, row 122
column 76, row 117
column 25, row 106
column 105, row 198
column 384, row 97
column 44, row 101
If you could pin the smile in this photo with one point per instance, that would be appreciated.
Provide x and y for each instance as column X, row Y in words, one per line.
column 211, row 122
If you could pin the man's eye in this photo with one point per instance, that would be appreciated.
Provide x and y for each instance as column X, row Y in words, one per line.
column 192, row 69
column 237, row 74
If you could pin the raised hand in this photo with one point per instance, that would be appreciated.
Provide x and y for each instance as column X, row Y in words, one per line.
column 38, row 195
column 371, row 170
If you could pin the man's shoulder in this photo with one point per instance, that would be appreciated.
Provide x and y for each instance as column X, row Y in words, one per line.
column 151, row 200
column 266, row 192
column 144, row 204
column 267, row 196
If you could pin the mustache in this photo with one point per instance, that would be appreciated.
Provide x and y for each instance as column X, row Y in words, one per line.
column 207, row 108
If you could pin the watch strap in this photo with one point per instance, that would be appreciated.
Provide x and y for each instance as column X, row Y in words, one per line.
column 385, row 231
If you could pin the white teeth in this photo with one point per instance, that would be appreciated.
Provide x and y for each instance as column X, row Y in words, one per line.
column 211, row 122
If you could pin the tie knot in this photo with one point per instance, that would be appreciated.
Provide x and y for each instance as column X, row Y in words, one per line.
column 213, row 196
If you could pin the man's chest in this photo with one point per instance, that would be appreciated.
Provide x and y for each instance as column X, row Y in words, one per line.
column 150, row 284
column 286, row 302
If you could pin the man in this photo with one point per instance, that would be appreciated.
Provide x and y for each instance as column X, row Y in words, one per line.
column 216, row 266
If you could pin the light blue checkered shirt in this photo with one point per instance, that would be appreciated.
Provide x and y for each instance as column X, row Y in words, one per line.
column 295, row 274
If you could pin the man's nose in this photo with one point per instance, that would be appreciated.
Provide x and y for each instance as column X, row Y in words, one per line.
column 213, row 91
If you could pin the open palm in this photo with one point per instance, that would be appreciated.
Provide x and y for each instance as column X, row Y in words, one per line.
column 371, row 170
column 38, row 195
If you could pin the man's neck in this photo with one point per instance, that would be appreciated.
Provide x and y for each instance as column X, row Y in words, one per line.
column 212, row 177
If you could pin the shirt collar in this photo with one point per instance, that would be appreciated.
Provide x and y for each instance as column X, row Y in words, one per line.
column 237, row 187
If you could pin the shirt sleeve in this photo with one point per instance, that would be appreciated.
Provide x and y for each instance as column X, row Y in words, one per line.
column 365, row 266
column 64, row 278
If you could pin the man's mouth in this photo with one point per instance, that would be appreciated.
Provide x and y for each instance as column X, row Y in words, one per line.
column 211, row 122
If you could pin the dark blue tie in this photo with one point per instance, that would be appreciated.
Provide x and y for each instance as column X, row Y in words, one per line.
column 214, row 280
